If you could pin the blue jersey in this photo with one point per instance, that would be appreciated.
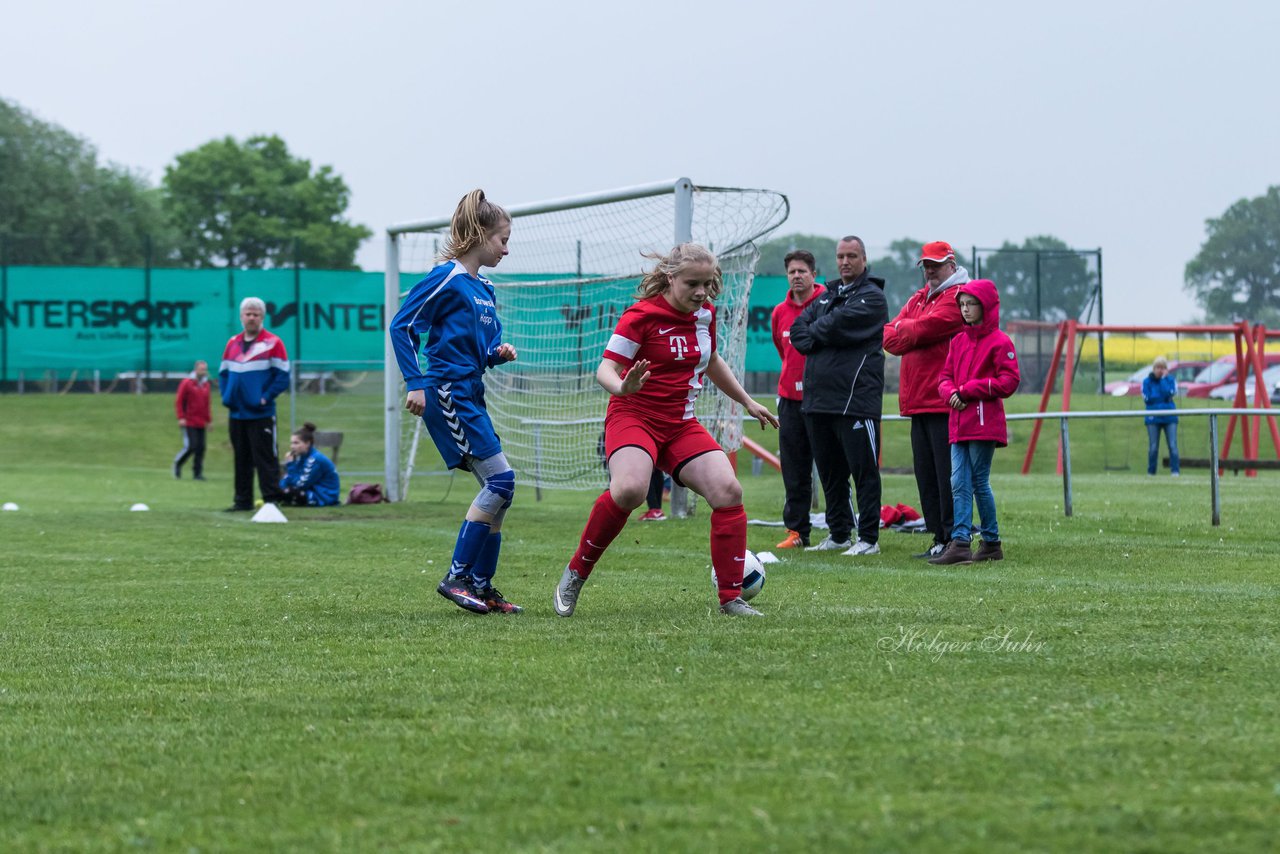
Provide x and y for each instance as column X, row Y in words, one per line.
column 315, row 476
column 456, row 310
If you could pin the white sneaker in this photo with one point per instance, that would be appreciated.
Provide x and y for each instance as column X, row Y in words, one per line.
column 829, row 545
column 862, row 547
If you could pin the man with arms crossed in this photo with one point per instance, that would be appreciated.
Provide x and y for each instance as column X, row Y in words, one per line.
column 841, row 334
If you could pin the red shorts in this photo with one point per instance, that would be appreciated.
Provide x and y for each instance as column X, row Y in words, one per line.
column 670, row 444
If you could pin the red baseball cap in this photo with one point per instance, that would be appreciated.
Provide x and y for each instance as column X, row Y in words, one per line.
column 937, row 251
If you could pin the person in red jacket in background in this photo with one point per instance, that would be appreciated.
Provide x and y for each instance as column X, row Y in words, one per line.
column 920, row 335
column 793, row 439
column 980, row 371
column 192, row 406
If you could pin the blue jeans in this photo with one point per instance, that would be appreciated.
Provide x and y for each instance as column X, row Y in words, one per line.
column 1153, row 446
column 970, row 482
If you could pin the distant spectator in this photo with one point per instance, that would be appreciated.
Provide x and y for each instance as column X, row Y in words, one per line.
column 310, row 478
column 794, row 452
column 981, row 370
column 192, row 407
column 653, row 501
column 920, row 334
column 255, row 370
column 1158, row 393
column 841, row 335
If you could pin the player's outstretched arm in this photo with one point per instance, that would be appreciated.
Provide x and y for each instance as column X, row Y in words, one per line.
column 718, row 372
column 611, row 377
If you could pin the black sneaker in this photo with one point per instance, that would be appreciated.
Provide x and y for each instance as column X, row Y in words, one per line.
column 934, row 550
column 497, row 603
column 460, row 592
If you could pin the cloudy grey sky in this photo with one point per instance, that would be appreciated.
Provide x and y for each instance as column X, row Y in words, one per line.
column 1113, row 124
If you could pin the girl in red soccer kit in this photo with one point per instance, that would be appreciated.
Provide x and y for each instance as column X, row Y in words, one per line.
column 653, row 368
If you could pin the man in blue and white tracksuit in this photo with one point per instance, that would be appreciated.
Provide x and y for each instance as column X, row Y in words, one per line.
column 255, row 369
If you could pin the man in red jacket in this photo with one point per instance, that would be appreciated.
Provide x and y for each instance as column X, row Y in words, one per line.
column 793, row 440
column 920, row 335
column 192, row 406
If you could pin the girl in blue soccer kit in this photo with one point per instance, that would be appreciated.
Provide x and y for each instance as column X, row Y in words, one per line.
column 454, row 307
column 310, row 478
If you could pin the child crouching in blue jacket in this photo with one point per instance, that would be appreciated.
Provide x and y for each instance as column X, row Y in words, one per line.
column 310, row 479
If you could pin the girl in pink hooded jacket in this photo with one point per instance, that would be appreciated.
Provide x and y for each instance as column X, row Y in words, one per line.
column 980, row 371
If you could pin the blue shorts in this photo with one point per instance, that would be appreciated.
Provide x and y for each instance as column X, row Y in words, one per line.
column 458, row 422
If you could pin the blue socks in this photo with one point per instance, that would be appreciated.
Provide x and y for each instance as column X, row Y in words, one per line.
column 475, row 554
column 471, row 539
column 487, row 563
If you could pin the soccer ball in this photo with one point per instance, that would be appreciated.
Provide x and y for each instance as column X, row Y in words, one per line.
column 752, row 576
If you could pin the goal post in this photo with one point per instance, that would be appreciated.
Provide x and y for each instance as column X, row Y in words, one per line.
column 573, row 267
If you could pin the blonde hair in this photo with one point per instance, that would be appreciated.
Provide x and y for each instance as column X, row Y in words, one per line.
column 668, row 266
column 474, row 219
column 1160, row 362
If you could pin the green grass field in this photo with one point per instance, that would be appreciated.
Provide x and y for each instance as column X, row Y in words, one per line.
column 185, row 680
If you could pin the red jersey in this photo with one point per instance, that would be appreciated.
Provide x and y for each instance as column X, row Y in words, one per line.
column 678, row 345
column 791, row 378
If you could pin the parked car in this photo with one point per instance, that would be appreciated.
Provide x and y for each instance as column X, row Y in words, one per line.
column 1219, row 373
column 1270, row 377
column 1181, row 370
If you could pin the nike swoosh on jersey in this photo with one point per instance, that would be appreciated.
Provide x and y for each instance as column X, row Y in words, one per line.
column 665, row 331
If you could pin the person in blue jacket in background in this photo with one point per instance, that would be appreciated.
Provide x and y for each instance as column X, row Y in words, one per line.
column 1158, row 392
column 310, row 479
column 254, row 372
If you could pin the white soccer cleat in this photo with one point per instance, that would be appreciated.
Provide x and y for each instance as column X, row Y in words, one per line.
column 862, row 547
column 567, row 592
column 739, row 608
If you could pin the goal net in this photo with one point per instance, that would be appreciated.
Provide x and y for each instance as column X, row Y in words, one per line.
column 574, row 266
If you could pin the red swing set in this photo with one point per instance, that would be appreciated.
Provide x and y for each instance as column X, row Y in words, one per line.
column 1250, row 344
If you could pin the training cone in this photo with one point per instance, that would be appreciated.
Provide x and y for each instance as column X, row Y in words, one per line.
column 10, row 506
column 269, row 513
column 139, row 508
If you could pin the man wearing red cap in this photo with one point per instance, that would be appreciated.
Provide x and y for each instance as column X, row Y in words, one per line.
column 920, row 335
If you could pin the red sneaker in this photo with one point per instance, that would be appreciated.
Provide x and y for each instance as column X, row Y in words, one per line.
column 654, row 515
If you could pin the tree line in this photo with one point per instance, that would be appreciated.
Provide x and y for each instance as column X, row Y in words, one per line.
column 226, row 203
column 254, row 204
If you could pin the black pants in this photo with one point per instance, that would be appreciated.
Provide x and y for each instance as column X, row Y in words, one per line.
column 931, row 458
column 797, row 466
column 844, row 447
column 657, row 485
column 254, row 443
column 193, row 444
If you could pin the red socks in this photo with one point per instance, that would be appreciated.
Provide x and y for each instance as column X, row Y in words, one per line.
column 728, row 549
column 606, row 521
column 728, row 542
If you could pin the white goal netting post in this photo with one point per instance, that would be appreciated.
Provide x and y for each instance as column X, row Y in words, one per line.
column 573, row 267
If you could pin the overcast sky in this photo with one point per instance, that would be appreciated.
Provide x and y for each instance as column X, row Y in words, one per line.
column 1120, row 125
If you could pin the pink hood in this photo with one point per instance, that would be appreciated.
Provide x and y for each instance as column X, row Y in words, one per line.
column 981, row 367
